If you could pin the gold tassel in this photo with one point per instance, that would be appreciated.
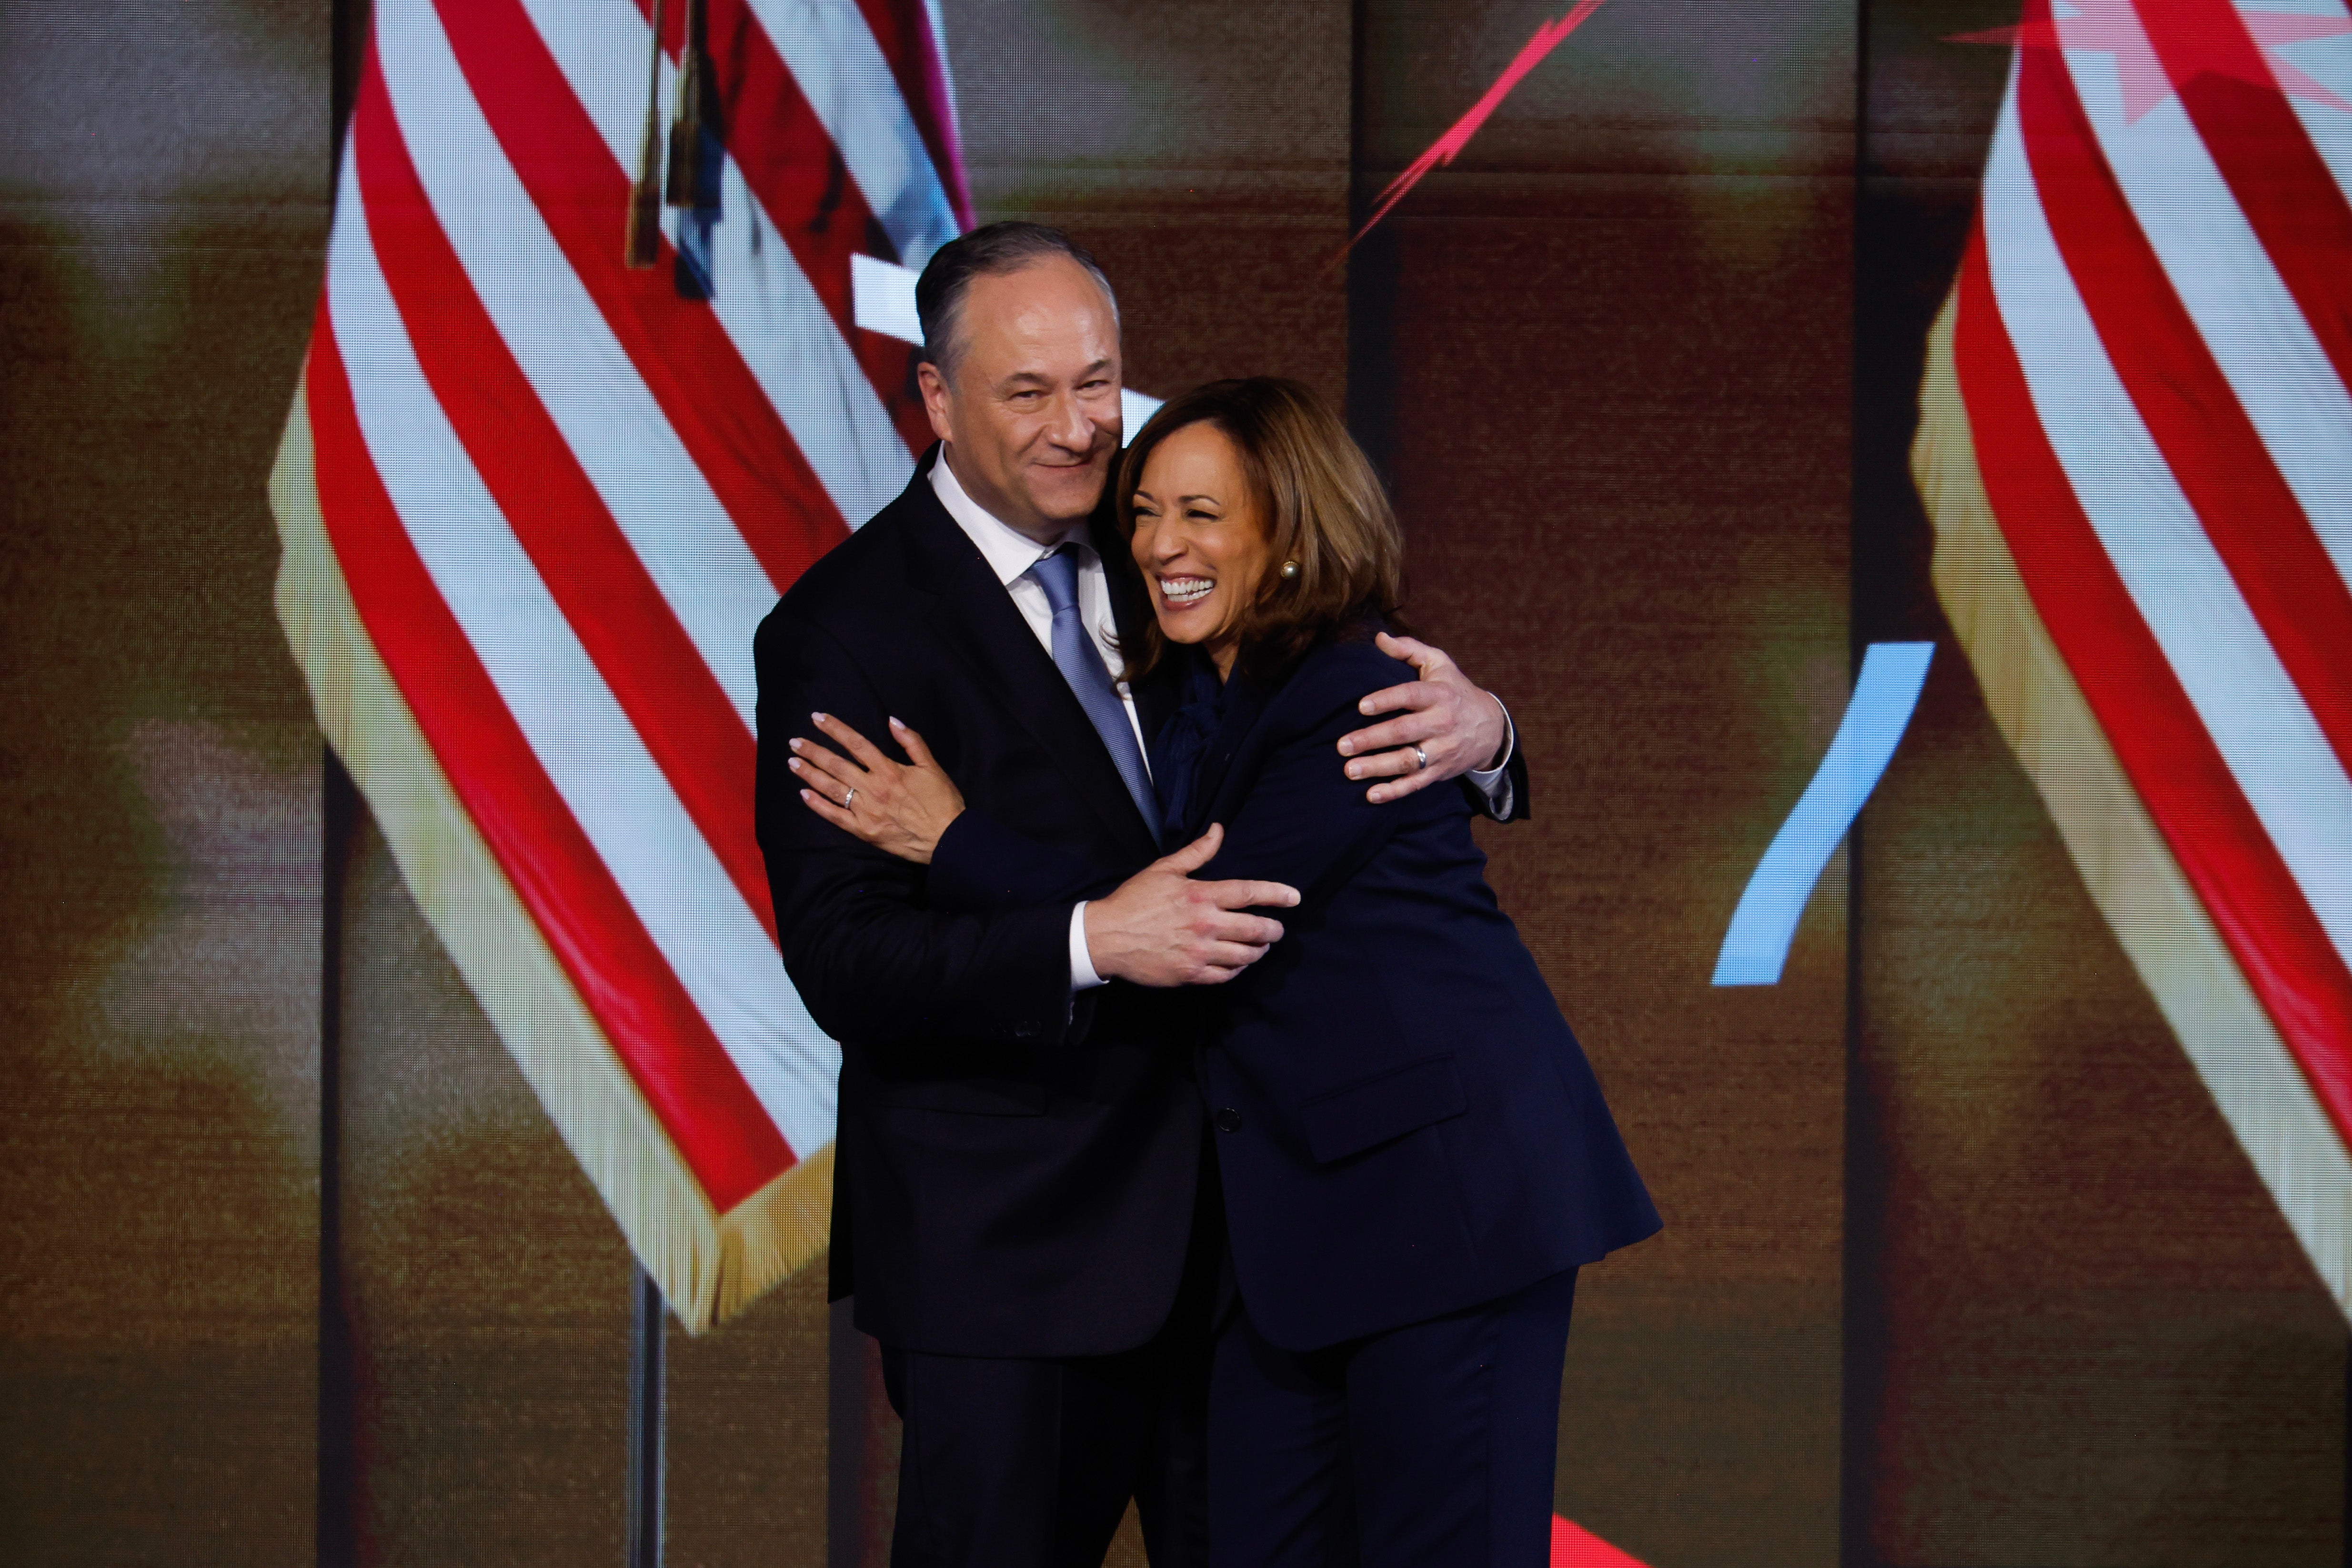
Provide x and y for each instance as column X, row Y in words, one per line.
column 644, row 242
column 686, row 130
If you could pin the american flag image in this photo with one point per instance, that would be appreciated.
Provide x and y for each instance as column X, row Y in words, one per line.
column 533, row 501
column 2135, row 444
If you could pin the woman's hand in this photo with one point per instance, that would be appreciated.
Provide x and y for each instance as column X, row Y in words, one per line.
column 900, row 811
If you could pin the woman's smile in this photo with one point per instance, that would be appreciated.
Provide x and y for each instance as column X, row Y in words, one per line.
column 1199, row 538
column 1177, row 593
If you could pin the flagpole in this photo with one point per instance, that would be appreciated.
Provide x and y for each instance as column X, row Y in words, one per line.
column 648, row 1320
column 335, row 1504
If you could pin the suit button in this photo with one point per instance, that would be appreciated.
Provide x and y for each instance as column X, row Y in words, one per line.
column 1229, row 1120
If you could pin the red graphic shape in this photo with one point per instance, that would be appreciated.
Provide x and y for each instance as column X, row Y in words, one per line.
column 1446, row 147
column 1574, row 1547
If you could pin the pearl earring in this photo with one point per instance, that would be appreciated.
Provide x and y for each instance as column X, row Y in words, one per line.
column 1291, row 571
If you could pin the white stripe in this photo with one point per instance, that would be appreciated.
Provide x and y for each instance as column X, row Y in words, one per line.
column 761, row 298
column 649, row 482
column 2257, row 333
column 831, row 52
column 2327, row 61
column 595, row 759
column 2268, row 738
column 947, row 78
column 882, row 293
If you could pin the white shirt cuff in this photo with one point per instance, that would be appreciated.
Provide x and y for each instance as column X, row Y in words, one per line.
column 1495, row 783
column 1082, row 963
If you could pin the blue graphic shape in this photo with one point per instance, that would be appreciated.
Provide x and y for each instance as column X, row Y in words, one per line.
column 1756, row 945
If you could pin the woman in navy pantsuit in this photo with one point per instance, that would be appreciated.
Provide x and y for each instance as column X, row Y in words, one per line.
column 1415, row 1153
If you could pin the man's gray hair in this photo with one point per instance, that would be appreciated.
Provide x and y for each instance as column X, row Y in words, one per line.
column 988, row 251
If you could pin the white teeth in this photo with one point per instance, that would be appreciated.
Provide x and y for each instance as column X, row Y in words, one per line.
column 1184, row 590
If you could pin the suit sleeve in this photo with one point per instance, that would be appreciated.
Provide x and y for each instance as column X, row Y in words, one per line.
column 1513, row 780
column 980, row 864
column 872, row 958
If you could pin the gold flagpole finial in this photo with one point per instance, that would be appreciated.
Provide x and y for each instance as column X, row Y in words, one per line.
column 686, row 130
column 644, row 242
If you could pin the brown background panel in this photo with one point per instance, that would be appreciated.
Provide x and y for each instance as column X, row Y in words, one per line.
column 485, row 1290
column 2080, row 1331
column 160, row 225
column 747, row 1443
column 1200, row 150
column 1605, row 359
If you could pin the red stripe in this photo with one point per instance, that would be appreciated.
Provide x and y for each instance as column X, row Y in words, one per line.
column 2211, row 447
column 628, row 629
column 789, row 161
column 903, row 29
column 685, row 357
column 2285, row 189
column 726, row 1139
column 792, row 165
column 2255, row 901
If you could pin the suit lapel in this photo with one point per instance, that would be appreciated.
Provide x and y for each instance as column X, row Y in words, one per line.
column 1245, row 703
column 977, row 618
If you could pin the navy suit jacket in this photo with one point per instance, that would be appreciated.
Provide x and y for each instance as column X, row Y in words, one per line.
column 1405, row 1124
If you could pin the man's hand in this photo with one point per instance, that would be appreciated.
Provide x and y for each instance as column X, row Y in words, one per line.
column 1457, row 726
column 1162, row 928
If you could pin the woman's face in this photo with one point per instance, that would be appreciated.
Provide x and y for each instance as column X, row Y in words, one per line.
column 1198, row 540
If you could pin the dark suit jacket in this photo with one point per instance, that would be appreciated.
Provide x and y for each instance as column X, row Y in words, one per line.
column 1014, row 1176
column 1406, row 1126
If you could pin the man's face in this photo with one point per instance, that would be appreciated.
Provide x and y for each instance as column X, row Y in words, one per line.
column 1031, row 419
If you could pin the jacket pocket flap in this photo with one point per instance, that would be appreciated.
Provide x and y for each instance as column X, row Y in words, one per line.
column 1344, row 1121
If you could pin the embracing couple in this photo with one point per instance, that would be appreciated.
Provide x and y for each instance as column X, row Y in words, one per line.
column 1208, row 1137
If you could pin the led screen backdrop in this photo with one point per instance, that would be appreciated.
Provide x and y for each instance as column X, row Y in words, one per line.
column 390, row 961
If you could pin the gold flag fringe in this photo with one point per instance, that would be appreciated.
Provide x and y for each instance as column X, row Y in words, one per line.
column 709, row 1266
column 2123, row 857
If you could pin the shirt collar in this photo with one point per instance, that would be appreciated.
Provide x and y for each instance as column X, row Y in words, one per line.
column 1009, row 552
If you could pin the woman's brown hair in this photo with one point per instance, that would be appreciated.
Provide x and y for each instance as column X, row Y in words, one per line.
column 1320, row 501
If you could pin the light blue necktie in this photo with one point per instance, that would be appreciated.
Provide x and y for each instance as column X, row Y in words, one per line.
column 1081, row 663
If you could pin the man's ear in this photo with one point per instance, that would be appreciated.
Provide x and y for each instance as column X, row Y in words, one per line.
column 935, row 397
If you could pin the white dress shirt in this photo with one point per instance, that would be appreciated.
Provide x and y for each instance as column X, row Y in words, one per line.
column 1011, row 554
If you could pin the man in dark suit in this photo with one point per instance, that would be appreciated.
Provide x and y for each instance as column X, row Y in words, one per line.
column 1019, row 1205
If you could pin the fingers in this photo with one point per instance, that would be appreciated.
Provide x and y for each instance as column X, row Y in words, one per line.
column 1249, row 895
column 919, row 753
column 1397, row 789
column 1413, row 651
column 855, row 744
column 1385, row 766
column 1412, row 694
column 824, row 770
column 1232, row 957
column 1197, row 854
column 830, row 811
column 1405, row 729
column 1243, row 930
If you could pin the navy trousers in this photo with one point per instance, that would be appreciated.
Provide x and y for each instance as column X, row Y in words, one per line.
column 1010, row 1462
column 1432, row 1445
